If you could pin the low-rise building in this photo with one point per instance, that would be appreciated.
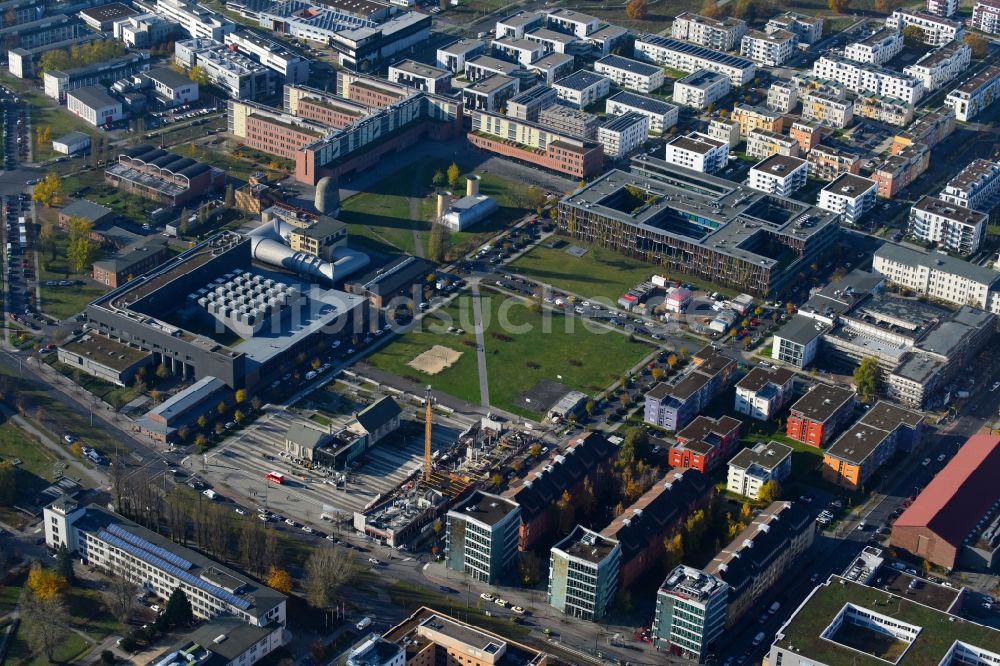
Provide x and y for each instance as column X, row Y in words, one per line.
column 819, row 416
column 484, row 66
column 94, row 105
column 809, row 29
column 417, row 75
column 131, row 261
column 723, row 34
column 771, row 49
column 864, row 447
column 153, row 173
column 397, row 279
column 986, row 16
column 553, row 41
column 661, row 115
column 688, row 57
column 698, row 152
column 865, row 79
column 974, row 93
column 514, row 27
column 583, row 574
column 828, row 162
column 630, row 74
column 225, row 640
column 623, row 135
column 762, row 144
column 939, row 276
column 673, row 406
column 898, row 171
column 481, row 536
column 172, row 89
column 57, row 83
column 826, row 109
column 779, row 174
column 453, row 56
column 851, row 196
column 757, row 118
column 948, row 225
column 582, row 88
column 705, row 443
column 751, row 468
column 489, row 94
column 940, row 66
column 527, row 104
column 807, row 134
column 690, row 613
column 552, row 67
column 877, row 48
column 114, row 361
column 701, row 88
column 936, row 30
column 71, row 143
column 567, row 120
column 977, row 186
column 764, row 392
column 884, row 109
column 782, row 97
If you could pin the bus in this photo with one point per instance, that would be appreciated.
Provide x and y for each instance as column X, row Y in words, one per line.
column 275, row 477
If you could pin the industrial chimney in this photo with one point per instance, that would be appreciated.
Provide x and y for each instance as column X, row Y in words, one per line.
column 442, row 204
column 472, row 186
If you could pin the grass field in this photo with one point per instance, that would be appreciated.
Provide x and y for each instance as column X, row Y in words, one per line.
column 522, row 348
column 64, row 302
column 11, row 592
column 90, row 185
column 106, row 391
column 15, row 443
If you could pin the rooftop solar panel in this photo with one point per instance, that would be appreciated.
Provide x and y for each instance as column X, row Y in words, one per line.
column 163, row 553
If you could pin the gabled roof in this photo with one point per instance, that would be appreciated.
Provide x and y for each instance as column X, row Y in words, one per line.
column 304, row 436
column 373, row 417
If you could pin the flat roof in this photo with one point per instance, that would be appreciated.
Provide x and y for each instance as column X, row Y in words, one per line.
column 643, row 103
column 850, row 185
column 696, row 143
column 697, row 51
column 971, row 85
column 702, row 78
column 95, row 97
column 937, row 261
column 581, row 80
column 761, row 376
column 764, row 455
column 106, row 351
column 485, row 508
column 802, row 330
column 462, row 46
column 692, row 584
column 586, row 545
column 494, row 64
column 109, row 12
column 520, row 19
column 822, row 401
column 629, row 65
column 624, row 121
column 779, row 165
column 168, row 77
column 491, row 83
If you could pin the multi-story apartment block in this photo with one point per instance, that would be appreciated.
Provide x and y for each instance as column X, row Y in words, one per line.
column 527, row 104
column 752, row 467
column 697, row 152
column 929, row 130
column 850, row 195
column 721, row 34
column 583, row 574
column 705, row 443
column 701, row 88
column 945, row 8
column 630, row 74
column 572, row 23
column 977, row 186
column 940, row 66
column 899, row 170
column 292, row 67
column 884, row 109
column 937, row 30
column 779, row 174
column 413, row 74
column 986, row 16
column 764, row 391
column 724, row 130
column 58, row 83
column 782, row 97
column 582, row 88
column 484, row 66
column 453, row 56
column 623, row 135
column 552, row 67
column 807, row 134
column 867, row 79
column 876, row 49
column 481, row 536
column 827, row 162
column 673, row 406
column 948, row 225
column 826, row 109
column 661, row 115
column 514, row 27
column 94, row 105
column 762, row 144
column 768, row 48
column 797, row 342
column 196, row 20
column 572, row 122
column 864, row 447
column 690, row 613
column 819, row 416
column 939, row 276
column 687, row 57
column 808, row 28
column 552, row 41
column 757, row 117
column 489, row 94
column 533, row 143
column 521, row 51
column 975, row 93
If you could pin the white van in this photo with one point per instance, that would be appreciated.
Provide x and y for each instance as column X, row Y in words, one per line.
column 210, row 494
column 363, row 624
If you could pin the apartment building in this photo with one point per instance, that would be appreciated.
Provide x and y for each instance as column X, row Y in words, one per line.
column 809, row 29
column 553, row 41
column 661, row 115
column 939, row 276
column 690, row 613
column 752, row 467
column 514, row 27
column 986, row 16
column 453, row 56
column 757, row 118
column 697, row 152
column 705, row 443
column 701, row 88
column 929, row 130
column 94, row 105
column 520, row 51
column 483, row 66
column 674, row 406
column 762, row 144
column 807, row 134
column 194, row 19
column 413, row 74
column 827, row 162
column 725, row 131
column 569, row 121
column 481, row 536
column 572, row 22
column 687, row 57
column 974, row 93
column 722, row 34
column 623, row 135
column 526, row 105
column 884, row 109
column 949, row 226
column 778, row 174
column 489, row 94
column 770, row 49
column 630, row 74
column 867, row 79
column 57, row 83
column 945, row 8
column 826, row 109
column 877, row 48
column 937, row 30
column 977, row 186
column 552, row 67
column 782, row 97
column 864, row 447
column 290, row 66
column 583, row 574
column 941, row 65
column 898, row 171
column 582, row 88
column 820, row 415
column 764, row 392
column 797, row 342
column 561, row 152
column 850, row 195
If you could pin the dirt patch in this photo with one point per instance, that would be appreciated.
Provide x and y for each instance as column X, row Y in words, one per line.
column 435, row 359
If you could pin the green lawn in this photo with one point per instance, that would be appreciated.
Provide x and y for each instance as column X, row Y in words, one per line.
column 46, row 113
column 805, row 459
column 64, row 302
column 11, row 592
column 69, row 651
column 531, row 348
column 106, row 391
column 15, row 443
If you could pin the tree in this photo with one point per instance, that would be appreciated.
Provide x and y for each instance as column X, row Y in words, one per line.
column 453, row 173
column 178, row 609
column 43, row 135
column 657, row 373
column 769, row 492
column 637, row 9
column 913, row 35
column 202, row 421
column 8, row 483
column 530, row 568
column 566, row 511
column 44, row 622
column 980, row 47
column 48, row 192
column 439, row 179
column 80, row 253
column 711, row 9
column 198, row 75
column 238, row 416
column 866, row 377
column 438, row 243
column 240, row 396
column 220, row 408
column 121, row 595
column 589, row 406
column 327, row 569
column 839, row 6
column 162, row 371
column 64, row 564
column 279, row 579
column 673, row 551
column 535, row 450
column 887, row 6
column 45, row 584
column 230, row 196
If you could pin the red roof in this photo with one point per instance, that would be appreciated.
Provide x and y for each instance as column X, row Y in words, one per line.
column 961, row 494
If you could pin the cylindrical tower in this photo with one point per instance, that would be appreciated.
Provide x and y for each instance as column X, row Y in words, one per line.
column 442, row 204
column 327, row 199
column 472, row 185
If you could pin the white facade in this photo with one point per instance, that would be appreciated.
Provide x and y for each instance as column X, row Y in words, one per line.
column 676, row 54
column 94, row 105
column 291, row 66
column 623, row 135
column 661, row 115
column 868, row 79
column 143, row 31
column 851, row 196
column 941, row 66
column 420, row 76
column 751, row 468
column 762, row 144
column 828, row 110
column 720, row 34
column 939, row 276
column 952, row 227
column 877, row 49
column 630, row 74
column 697, row 151
column 701, row 88
column 521, row 51
column 582, row 88
column 71, row 143
column 240, row 76
column 195, row 19
column 986, row 16
column 974, row 94
column 782, row 96
column 938, row 31
column 766, row 49
column 779, row 175
column 453, row 56
column 724, row 130
column 575, row 23
column 515, row 26
column 945, row 8
column 977, row 186
column 808, row 28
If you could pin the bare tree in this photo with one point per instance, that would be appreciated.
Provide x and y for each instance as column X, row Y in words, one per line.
column 272, row 554
column 117, row 481
column 121, row 594
column 251, row 546
column 177, row 517
column 326, row 570
column 218, row 532
column 44, row 622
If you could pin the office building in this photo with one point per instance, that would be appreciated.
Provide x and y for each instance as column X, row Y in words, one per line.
column 939, row 276
column 764, row 392
column 23, row 62
column 170, row 88
column 224, row 640
column 782, row 97
column 864, row 447
column 898, row 171
column 820, row 415
column 630, row 74
column 130, row 262
column 763, row 144
column 673, row 406
column 986, row 16
column 797, row 342
column 752, row 467
column 41, row 32
column 194, row 19
column 561, row 152
column 291, row 67
column 661, row 115
column 937, row 30
column 948, row 226
column 690, row 613
column 752, row 118
column 482, row 536
column 417, row 75
column 240, row 76
column 770, row 49
column 865, row 79
column 94, row 105
column 877, row 48
column 828, row 110
column 582, row 88
column 144, row 31
column 705, row 443
column 453, row 56
column 58, row 83
column 722, row 34
column 103, row 17
column 701, row 88
column 809, row 29
column 623, row 135
column 105, row 358
column 697, row 152
column 851, row 196
column 583, row 574
column 977, row 186
column 688, row 57
column 941, row 65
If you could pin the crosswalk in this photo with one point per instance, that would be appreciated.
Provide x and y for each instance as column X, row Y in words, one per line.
column 240, row 463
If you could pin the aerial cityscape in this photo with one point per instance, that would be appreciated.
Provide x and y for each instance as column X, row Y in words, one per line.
column 485, row 333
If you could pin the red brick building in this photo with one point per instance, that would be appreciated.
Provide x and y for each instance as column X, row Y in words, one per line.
column 705, row 443
column 322, row 111
column 580, row 161
column 818, row 416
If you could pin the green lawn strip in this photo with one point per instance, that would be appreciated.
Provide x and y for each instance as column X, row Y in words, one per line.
column 11, row 592
column 15, row 443
column 69, row 420
column 90, row 614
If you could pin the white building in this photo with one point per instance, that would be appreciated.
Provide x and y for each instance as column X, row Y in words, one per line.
column 662, row 115
column 977, row 186
column 489, row 94
column 938, row 275
column 937, row 30
column 974, row 94
column 482, row 536
column 850, row 195
column 687, row 57
column 417, row 75
column 868, row 79
column 484, row 66
column 623, row 135
column 782, row 96
column 945, row 8
column 453, row 56
column 779, row 175
column 986, row 16
column 808, row 28
column 94, row 105
column 292, row 67
column 582, row 88
column 240, row 76
column 723, row 130
column 144, row 31
column 514, row 27
column 950, row 226
column 574, row 23
column 701, row 88
column 751, row 468
column 877, row 49
column 722, row 34
column 826, row 109
column 763, row 143
column 71, row 143
column 763, row 392
column 631, row 74
column 697, row 151
column 521, row 51
column 940, row 66
column 769, row 49
column 551, row 41
column 172, row 89
column 121, row 548
column 194, row 19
